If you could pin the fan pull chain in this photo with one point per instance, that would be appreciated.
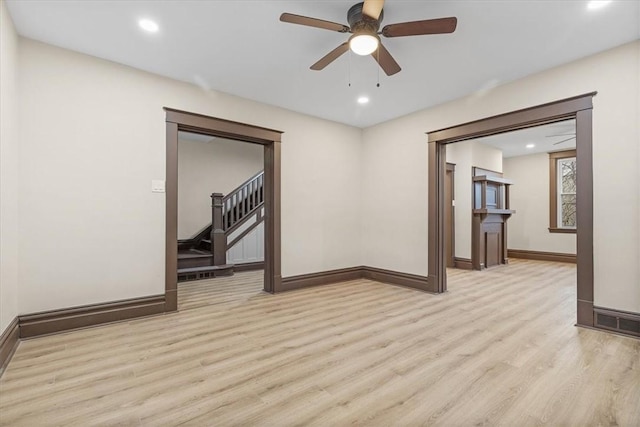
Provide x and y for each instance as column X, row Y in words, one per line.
column 349, row 67
column 378, row 67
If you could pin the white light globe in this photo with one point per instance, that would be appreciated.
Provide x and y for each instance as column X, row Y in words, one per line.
column 363, row 44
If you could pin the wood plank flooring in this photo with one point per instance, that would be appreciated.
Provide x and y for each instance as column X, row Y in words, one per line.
column 499, row 348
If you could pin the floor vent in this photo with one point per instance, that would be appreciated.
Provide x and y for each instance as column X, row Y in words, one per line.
column 629, row 325
column 607, row 321
column 204, row 272
column 622, row 322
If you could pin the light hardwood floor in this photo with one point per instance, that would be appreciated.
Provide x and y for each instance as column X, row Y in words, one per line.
column 499, row 348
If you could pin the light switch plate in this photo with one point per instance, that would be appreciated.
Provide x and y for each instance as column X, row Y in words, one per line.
column 157, row 186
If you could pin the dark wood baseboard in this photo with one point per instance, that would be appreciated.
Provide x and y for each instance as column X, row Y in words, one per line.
column 622, row 322
column 9, row 342
column 249, row 266
column 49, row 322
column 541, row 256
column 462, row 263
column 353, row 273
column 321, row 278
column 396, row 278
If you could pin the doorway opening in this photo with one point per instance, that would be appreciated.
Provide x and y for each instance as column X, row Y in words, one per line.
column 220, row 206
column 266, row 198
column 516, row 197
column 577, row 108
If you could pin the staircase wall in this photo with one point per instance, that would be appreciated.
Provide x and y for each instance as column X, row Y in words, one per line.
column 249, row 249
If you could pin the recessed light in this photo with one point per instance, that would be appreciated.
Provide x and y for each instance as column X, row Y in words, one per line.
column 597, row 4
column 363, row 100
column 530, row 145
column 148, row 25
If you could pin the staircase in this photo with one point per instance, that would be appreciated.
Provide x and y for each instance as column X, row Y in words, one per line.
column 233, row 217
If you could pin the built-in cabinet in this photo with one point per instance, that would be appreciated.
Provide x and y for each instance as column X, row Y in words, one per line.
column 490, row 214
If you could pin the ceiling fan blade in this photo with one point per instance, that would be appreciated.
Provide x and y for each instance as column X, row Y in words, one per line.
column 560, row 134
column 564, row 140
column 386, row 61
column 372, row 8
column 330, row 57
column 418, row 28
column 313, row 22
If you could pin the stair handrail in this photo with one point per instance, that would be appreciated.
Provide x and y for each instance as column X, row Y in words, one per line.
column 244, row 219
column 244, row 184
column 243, row 201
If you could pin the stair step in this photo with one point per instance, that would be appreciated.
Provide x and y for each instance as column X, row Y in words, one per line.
column 194, row 258
column 205, row 268
column 192, row 255
column 205, row 244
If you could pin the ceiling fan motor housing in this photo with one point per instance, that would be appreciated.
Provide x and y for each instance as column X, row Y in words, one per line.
column 358, row 21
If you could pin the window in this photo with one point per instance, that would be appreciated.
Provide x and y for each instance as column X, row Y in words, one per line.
column 562, row 186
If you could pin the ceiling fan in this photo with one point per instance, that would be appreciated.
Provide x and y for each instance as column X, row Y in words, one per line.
column 364, row 23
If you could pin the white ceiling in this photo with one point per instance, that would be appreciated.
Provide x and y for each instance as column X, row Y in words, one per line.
column 544, row 138
column 195, row 137
column 240, row 47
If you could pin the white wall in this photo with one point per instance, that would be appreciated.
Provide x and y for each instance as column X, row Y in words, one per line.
column 93, row 138
column 395, row 169
column 8, row 170
column 529, row 226
column 486, row 157
column 217, row 166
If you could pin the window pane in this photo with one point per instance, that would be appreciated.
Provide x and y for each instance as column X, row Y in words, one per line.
column 568, row 210
column 568, row 170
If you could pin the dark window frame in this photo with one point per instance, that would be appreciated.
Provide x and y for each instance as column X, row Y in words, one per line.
column 553, row 191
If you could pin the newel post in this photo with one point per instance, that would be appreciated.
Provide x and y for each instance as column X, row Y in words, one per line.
column 218, row 239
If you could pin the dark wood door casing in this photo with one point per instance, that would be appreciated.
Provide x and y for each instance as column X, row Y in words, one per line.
column 578, row 108
column 450, row 214
column 177, row 120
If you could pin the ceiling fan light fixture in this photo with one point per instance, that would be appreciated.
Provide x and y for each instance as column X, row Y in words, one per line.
column 364, row 20
column 364, row 43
